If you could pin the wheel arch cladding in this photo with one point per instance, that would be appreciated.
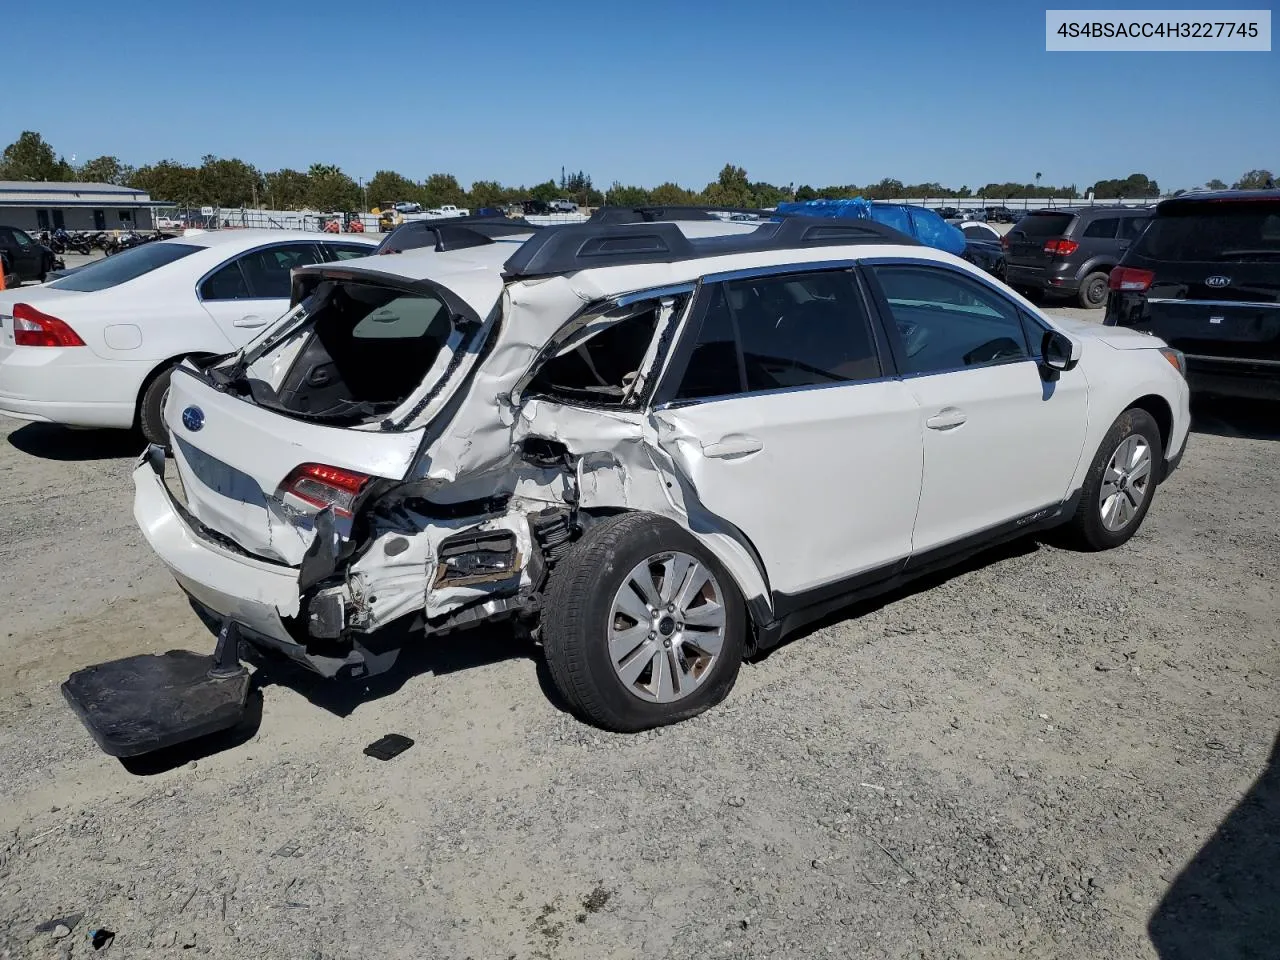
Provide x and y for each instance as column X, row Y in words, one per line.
column 740, row 562
column 1161, row 413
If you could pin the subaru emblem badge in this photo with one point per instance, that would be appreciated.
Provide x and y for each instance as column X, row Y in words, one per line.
column 1218, row 281
column 193, row 418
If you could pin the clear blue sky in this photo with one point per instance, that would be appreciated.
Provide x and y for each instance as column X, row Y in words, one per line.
column 809, row 91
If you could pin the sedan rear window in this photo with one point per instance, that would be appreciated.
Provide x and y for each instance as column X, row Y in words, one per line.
column 1219, row 233
column 123, row 267
column 1044, row 224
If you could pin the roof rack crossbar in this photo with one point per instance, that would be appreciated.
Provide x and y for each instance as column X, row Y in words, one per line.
column 573, row 247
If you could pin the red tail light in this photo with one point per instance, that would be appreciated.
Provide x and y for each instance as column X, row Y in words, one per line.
column 323, row 486
column 31, row 328
column 1004, row 241
column 1061, row 247
column 1130, row 278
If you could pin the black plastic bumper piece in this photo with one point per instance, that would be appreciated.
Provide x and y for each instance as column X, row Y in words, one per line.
column 145, row 703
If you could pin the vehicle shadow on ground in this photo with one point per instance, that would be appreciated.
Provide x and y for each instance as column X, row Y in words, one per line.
column 1225, row 903
column 52, row 442
column 479, row 646
column 1248, row 419
column 1020, row 547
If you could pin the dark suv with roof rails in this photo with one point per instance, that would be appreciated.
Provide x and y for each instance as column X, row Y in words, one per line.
column 1070, row 250
column 1205, row 277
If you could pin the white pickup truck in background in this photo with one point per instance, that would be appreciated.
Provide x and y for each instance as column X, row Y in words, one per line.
column 447, row 210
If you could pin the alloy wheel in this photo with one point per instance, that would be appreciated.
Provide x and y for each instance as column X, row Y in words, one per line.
column 1126, row 483
column 666, row 627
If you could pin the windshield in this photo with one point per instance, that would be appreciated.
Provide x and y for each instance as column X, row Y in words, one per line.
column 1215, row 233
column 124, row 266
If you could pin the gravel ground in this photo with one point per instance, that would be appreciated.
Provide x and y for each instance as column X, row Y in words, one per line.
column 1044, row 754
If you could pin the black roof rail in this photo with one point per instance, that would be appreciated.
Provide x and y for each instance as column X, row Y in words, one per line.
column 661, row 213
column 573, row 247
column 453, row 233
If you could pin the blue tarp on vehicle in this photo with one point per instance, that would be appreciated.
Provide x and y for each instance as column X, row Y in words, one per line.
column 919, row 222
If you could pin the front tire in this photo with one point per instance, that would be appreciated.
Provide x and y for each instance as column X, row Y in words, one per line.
column 1120, row 484
column 151, row 408
column 641, row 626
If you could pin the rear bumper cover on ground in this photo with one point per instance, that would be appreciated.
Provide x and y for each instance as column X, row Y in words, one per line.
column 254, row 593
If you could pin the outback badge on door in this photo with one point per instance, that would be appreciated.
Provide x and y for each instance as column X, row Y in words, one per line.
column 1217, row 281
column 193, row 418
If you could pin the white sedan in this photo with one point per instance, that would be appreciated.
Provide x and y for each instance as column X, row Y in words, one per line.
column 95, row 348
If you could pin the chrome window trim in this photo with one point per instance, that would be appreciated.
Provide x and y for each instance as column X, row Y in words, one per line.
column 270, row 244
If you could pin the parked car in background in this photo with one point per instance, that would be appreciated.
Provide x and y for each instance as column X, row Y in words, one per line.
column 11, row 279
column 659, row 457
column 28, row 259
column 563, row 206
column 1001, row 215
column 448, row 210
column 531, row 208
column 982, row 246
column 1070, row 251
column 1205, row 276
column 96, row 348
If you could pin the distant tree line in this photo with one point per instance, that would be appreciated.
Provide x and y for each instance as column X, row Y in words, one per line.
column 230, row 182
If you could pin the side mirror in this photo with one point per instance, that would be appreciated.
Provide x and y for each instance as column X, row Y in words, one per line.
column 1058, row 354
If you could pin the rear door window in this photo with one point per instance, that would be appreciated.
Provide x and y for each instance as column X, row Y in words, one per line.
column 267, row 271
column 1104, row 228
column 779, row 332
column 1130, row 227
column 124, row 266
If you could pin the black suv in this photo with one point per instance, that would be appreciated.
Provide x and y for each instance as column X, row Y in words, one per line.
column 28, row 259
column 1070, row 251
column 1205, row 277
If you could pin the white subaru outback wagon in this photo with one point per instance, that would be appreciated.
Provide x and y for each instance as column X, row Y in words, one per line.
column 659, row 446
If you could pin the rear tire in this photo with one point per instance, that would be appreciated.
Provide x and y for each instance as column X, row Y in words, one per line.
column 593, row 649
column 1120, row 484
column 1093, row 290
column 151, row 408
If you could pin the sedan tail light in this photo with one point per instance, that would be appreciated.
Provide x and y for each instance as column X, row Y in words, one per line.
column 1004, row 242
column 1130, row 278
column 33, row 328
column 1061, row 247
column 323, row 486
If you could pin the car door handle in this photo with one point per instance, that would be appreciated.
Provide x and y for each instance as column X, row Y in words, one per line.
column 734, row 445
column 250, row 320
column 948, row 418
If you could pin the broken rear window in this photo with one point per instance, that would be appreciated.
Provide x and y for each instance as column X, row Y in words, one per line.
column 359, row 351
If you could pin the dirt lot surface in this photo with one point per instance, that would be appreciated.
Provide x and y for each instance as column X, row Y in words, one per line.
column 1030, row 757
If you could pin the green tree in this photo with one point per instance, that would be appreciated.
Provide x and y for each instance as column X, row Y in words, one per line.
column 487, row 193
column 30, row 158
column 964, row 193
column 389, row 187
column 104, row 170
column 886, row 189
column 1255, row 180
column 1134, row 185
column 805, row 192
column 287, row 189
column 730, row 189
column 626, row 196
column 546, row 191
column 671, row 195
column 442, row 188
column 767, row 195
column 1216, row 184
column 169, row 180
column 331, row 190
column 229, row 182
